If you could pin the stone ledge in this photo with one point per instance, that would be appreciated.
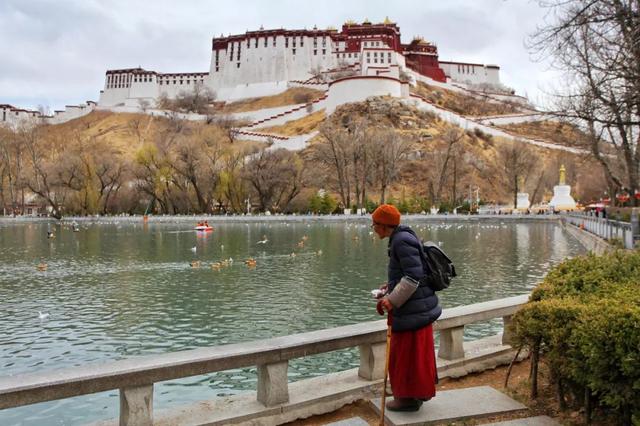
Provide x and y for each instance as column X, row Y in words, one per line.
column 320, row 395
column 455, row 405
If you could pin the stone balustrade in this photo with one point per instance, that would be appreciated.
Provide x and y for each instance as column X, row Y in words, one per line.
column 607, row 229
column 136, row 376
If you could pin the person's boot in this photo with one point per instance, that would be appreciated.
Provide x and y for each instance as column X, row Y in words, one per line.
column 404, row 404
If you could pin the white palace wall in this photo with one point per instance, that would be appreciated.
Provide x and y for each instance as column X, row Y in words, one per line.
column 471, row 73
column 270, row 59
column 357, row 89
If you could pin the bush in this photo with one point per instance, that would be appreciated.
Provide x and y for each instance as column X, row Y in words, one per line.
column 585, row 317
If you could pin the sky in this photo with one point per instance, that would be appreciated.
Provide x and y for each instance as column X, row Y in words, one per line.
column 55, row 52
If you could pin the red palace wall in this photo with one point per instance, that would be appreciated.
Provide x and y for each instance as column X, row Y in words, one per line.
column 426, row 65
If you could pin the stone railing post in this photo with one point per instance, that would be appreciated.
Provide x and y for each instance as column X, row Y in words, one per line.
column 136, row 406
column 507, row 332
column 451, row 343
column 273, row 386
column 372, row 359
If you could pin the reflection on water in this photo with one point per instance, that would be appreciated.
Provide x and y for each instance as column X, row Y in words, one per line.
column 117, row 290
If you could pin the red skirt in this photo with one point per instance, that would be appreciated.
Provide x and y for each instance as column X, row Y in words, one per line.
column 412, row 364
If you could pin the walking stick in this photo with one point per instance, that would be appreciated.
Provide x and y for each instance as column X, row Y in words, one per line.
column 386, row 373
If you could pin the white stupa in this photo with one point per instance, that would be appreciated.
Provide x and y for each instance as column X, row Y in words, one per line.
column 562, row 199
column 522, row 198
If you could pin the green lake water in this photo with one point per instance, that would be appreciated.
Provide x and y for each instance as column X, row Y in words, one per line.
column 120, row 289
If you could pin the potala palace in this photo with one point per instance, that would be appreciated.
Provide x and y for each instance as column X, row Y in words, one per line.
column 265, row 62
column 360, row 60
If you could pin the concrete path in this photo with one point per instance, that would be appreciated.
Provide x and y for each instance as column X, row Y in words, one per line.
column 529, row 421
column 454, row 405
column 353, row 421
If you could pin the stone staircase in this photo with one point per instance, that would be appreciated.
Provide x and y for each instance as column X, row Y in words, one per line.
column 459, row 405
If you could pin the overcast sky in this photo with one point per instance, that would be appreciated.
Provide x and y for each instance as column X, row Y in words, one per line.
column 56, row 52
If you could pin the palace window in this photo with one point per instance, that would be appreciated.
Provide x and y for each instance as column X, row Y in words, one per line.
column 301, row 41
column 389, row 56
column 286, row 42
column 315, row 51
column 375, row 60
column 265, row 41
column 256, row 42
column 274, row 41
column 293, row 51
column 368, row 54
column 217, row 68
column 160, row 81
column 248, row 43
column 180, row 81
column 324, row 51
column 174, row 82
column 375, row 54
column 368, row 60
column 238, row 65
column 188, row 81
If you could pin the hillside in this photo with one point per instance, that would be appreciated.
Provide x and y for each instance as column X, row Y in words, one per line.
column 464, row 104
column 112, row 162
column 476, row 161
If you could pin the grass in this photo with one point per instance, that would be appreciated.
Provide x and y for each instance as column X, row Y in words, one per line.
column 301, row 126
column 295, row 95
column 463, row 104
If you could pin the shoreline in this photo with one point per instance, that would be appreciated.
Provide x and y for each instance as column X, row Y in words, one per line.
column 215, row 219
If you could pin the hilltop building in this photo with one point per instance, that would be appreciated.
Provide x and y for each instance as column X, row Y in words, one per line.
column 266, row 62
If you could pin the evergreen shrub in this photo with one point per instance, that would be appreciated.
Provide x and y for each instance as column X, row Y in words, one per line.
column 585, row 318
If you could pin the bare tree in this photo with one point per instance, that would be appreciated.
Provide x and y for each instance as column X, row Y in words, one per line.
column 335, row 152
column 388, row 148
column 516, row 160
column 595, row 43
column 276, row 176
column 440, row 163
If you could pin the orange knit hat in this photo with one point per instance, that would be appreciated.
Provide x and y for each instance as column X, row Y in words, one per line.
column 386, row 214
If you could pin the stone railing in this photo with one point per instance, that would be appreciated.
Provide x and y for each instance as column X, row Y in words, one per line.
column 135, row 377
column 607, row 229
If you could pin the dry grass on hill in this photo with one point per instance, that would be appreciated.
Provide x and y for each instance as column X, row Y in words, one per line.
column 463, row 104
column 295, row 95
column 128, row 132
column 301, row 126
column 552, row 131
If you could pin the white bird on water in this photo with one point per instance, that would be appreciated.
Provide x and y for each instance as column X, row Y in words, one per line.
column 193, row 249
column 42, row 316
column 263, row 241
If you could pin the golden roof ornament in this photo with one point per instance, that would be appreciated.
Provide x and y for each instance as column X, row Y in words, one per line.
column 562, row 175
column 387, row 21
column 350, row 22
column 366, row 21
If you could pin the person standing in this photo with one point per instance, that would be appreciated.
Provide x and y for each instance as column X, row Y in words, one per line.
column 412, row 308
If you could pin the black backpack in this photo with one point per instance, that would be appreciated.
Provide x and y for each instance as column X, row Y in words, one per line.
column 440, row 269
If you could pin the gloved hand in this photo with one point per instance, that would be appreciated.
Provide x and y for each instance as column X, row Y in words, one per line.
column 383, row 305
column 383, row 288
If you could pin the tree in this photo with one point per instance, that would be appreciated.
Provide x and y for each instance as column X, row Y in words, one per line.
column 440, row 161
column 276, row 176
column 388, row 148
column 595, row 43
column 335, row 152
column 516, row 159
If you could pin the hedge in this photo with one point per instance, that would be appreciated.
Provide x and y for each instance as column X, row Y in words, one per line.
column 585, row 318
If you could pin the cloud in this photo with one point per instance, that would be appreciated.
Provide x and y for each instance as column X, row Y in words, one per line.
column 56, row 53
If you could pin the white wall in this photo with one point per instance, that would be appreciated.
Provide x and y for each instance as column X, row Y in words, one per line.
column 471, row 73
column 356, row 89
column 260, row 64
